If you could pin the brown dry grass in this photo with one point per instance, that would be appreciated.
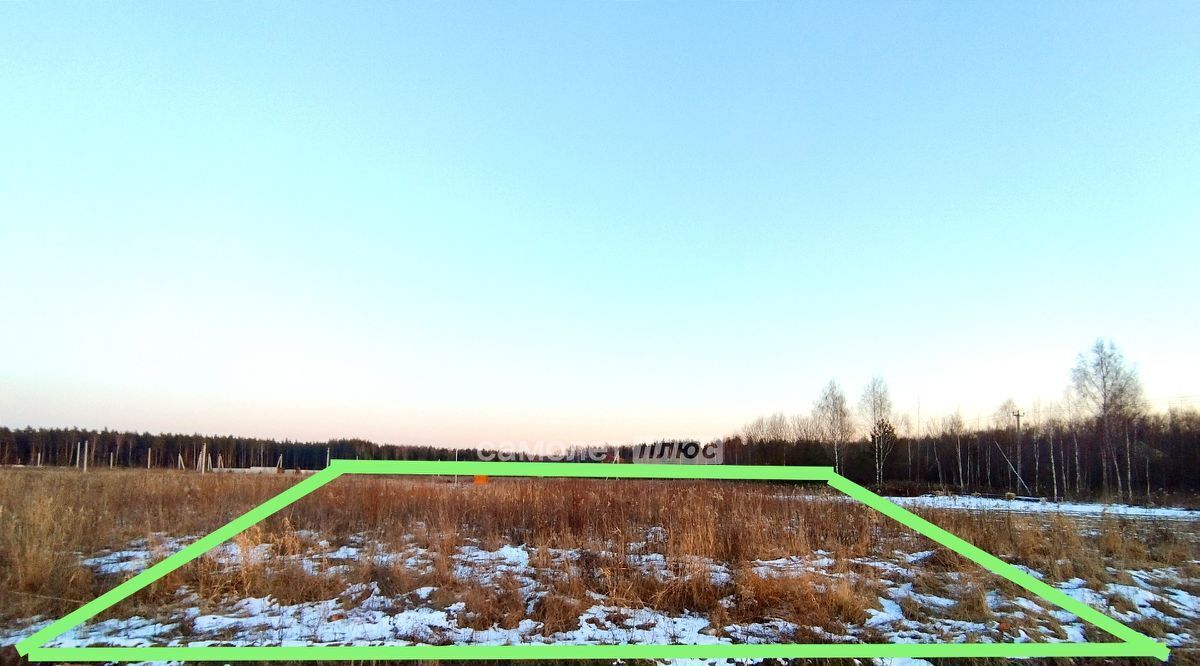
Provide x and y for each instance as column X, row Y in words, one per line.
column 50, row 517
column 727, row 522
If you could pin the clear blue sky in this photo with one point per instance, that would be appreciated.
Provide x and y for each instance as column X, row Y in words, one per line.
column 585, row 221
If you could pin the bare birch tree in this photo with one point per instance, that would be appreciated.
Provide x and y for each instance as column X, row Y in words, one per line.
column 875, row 405
column 1110, row 389
column 832, row 419
column 953, row 426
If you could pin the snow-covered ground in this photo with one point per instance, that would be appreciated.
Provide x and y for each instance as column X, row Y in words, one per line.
column 968, row 502
column 363, row 615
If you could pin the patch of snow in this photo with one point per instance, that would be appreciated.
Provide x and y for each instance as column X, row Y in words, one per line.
column 968, row 502
column 891, row 613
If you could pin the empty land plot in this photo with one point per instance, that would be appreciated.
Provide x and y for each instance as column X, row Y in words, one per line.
column 373, row 560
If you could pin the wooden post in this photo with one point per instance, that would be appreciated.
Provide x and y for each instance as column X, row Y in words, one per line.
column 148, row 454
column 110, row 459
column 85, row 454
column 78, row 460
column 39, row 459
column 180, row 461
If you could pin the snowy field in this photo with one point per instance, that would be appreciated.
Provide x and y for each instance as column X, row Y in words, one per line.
column 903, row 611
column 1082, row 509
column 420, row 585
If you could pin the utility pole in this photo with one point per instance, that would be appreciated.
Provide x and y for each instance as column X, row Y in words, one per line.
column 1019, row 414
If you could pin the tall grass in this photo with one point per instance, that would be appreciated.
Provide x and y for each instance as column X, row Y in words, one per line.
column 50, row 518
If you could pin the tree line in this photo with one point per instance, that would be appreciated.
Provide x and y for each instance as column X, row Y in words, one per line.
column 1100, row 441
column 100, row 448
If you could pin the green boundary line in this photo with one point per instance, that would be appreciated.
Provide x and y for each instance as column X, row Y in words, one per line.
column 1133, row 644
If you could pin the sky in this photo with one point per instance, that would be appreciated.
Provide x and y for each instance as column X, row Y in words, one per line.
column 458, row 223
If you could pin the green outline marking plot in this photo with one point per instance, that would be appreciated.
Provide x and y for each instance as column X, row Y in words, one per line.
column 1133, row 644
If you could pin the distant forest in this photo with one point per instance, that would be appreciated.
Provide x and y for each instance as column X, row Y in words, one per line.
column 1055, row 457
column 1100, row 443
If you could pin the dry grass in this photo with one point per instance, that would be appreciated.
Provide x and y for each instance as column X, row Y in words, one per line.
column 49, row 517
column 705, row 519
column 726, row 522
column 1061, row 547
